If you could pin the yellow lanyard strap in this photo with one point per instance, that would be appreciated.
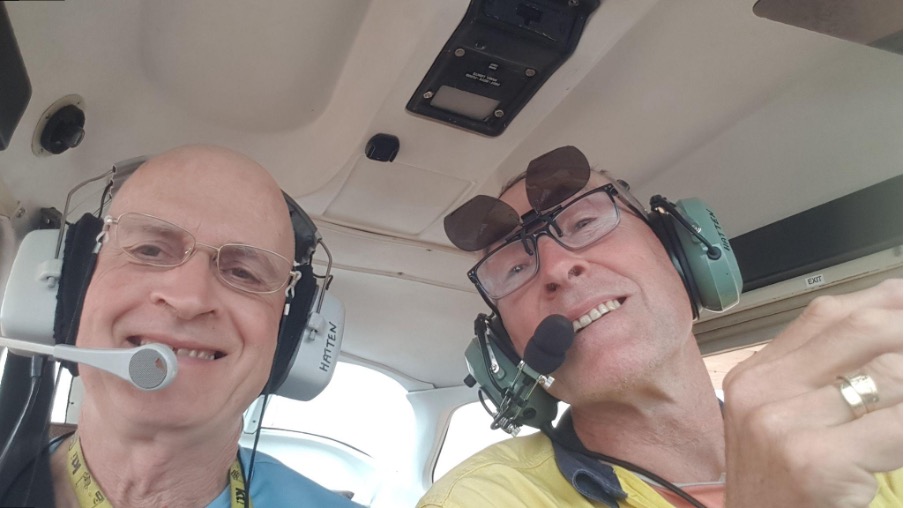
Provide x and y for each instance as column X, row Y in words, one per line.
column 90, row 496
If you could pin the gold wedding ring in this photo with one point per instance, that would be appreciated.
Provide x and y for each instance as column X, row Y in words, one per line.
column 859, row 392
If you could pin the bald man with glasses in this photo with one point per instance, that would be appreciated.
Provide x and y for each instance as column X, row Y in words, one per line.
column 198, row 254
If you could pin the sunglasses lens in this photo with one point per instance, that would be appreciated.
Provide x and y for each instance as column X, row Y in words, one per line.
column 478, row 223
column 556, row 176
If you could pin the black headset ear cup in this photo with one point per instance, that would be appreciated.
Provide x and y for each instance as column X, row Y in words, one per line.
column 663, row 225
column 293, row 328
column 79, row 260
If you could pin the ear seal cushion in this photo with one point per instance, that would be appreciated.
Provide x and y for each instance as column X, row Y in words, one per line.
column 663, row 225
column 306, row 236
column 500, row 337
column 293, row 328
column 79, row 260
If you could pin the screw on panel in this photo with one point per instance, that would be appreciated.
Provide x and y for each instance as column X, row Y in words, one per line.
column 530, row 72
column 573, row 3
column 459, row 52
column 428, row 94
column 498, row 113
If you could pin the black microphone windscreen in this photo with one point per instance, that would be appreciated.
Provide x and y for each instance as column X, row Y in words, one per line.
column 545, row 352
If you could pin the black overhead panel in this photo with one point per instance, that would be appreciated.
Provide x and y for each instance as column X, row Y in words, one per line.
column 852, row 226
column 15, row 88
column 496, row 60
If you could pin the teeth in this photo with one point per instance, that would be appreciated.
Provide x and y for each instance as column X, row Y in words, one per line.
column 194, row 353
column 191, row 353
column 594, row 314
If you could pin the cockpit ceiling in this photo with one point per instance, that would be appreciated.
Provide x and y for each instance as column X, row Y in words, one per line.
column 301, row 86
column 696, row 98
column 257, row 67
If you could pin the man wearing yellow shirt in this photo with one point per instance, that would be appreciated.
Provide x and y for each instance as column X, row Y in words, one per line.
column 814, row 419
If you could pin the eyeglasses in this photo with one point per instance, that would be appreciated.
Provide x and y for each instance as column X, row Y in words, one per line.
column 583, row 221
column 148, row 240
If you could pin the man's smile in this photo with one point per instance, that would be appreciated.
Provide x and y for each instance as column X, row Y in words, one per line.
column 595, row 313
column 203, row 354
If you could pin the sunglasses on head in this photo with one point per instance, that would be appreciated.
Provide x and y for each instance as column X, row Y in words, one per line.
column 549, row 180
column 510, row 240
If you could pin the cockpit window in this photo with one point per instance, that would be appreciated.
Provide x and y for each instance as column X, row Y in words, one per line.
column 469, row 432
column 361, row 408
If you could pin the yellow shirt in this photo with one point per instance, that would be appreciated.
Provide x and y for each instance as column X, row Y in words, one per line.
column 523, row 472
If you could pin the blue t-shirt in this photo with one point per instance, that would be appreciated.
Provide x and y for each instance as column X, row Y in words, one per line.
column 275, row 485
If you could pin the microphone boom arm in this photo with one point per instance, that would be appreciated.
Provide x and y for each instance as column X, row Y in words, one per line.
column 148, row 367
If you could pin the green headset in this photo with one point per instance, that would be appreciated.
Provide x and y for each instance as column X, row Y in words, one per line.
column 699, row 250
column 702, row 256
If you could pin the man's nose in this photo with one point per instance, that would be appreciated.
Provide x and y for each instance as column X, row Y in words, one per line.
column 189, row 290
column 559, row 267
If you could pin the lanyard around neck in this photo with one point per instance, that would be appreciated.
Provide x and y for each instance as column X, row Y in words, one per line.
column 565, row 436
column 90, row 495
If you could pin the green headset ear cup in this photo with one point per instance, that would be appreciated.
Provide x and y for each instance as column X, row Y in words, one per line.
column 474, row 356
column 541, row 407
column 718, row 281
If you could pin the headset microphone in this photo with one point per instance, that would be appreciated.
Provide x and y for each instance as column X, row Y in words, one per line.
column 148, row 367
column 544, row 353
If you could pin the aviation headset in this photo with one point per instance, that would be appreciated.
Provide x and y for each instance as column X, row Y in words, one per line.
column 701, row 254
column 80, row 258
column 39, row 276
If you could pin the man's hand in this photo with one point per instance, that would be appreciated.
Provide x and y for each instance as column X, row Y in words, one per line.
column 791, row 439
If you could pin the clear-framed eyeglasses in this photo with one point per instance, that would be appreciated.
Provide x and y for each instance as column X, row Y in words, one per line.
column 152, row 241
column 575, row 225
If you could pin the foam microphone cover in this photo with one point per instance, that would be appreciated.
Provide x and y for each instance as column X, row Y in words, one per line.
column 545, row 352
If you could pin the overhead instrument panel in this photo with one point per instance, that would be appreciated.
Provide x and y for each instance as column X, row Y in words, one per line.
column 498, row 57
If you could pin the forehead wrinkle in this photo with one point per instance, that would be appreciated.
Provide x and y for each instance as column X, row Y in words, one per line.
column 221, row 192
